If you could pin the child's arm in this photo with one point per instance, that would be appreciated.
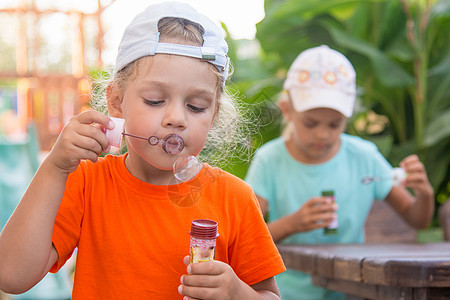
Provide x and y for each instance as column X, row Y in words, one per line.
column 316, row 213
column 416, row 210
column 26, row 249
column 217, row 280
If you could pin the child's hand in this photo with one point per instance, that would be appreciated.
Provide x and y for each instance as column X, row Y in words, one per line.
column 80, row 139
column 417, row 178
column 317, row 212
column 210, row 280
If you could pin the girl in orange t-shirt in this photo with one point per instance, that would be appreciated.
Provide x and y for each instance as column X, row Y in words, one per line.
column 127, row 215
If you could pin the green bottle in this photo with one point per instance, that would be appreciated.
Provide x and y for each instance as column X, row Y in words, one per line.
column 332, row 228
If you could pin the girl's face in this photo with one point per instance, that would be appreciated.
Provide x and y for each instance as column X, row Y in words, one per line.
column 171, row 95
column 316, row 134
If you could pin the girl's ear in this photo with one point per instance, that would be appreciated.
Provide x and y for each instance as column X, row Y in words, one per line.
column 114, row 100
column 285, row 106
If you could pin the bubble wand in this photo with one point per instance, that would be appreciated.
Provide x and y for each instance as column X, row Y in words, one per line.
column 184, row 168
column 397, row 176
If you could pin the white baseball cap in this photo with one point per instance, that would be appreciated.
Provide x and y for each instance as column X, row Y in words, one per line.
column 141, row 37
column 322, row 77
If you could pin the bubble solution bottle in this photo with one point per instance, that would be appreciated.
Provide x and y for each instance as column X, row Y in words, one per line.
column 203, row 234
column 115, row 135
column 332, row 228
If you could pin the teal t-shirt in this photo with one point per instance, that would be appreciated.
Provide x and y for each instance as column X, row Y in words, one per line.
column 287, row 184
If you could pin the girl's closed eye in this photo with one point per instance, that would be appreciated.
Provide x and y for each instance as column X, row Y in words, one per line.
column 335, row 125
column 199, row 103
column 309, row 124
column 196, row 108
column 153, row 102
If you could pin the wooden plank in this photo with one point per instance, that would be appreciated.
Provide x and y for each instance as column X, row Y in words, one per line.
column 345, row 286
column 433, row 294
column 394, row 293
column 298, row 258
column 428, row 272
column 364, row 291
column 342, row 261
column 358, row 291
column 350, row 297
column 347, row 269
column 325, row 264
column 444, row 219
column 376, row 271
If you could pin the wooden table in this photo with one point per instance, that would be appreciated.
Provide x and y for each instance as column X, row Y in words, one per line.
column 376, row 271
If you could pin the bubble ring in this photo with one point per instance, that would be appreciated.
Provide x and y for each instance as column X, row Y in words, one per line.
column 172, row 144
column 153, row 140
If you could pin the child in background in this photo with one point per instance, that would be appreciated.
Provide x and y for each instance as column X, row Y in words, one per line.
column 124, row 213
column 289, row 174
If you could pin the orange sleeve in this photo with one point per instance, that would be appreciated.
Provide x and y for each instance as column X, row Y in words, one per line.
column 253, row 255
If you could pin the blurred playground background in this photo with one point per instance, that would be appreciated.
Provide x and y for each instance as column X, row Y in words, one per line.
column 50, row 50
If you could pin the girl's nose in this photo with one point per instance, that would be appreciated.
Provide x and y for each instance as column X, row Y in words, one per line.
column 175, row 116
column 322, row 132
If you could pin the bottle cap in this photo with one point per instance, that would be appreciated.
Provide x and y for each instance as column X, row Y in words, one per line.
column 204, row 229
column 328, row 193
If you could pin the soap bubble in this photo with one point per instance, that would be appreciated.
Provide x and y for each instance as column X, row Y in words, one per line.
column 186, row 188
column 186, row 168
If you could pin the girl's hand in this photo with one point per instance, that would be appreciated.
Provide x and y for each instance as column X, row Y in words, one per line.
column 211, row 280
column 417, row 178
column 317, row 212
column 80, row 139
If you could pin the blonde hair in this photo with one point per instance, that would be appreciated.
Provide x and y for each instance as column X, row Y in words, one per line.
column 286, row 126
column 229, row 136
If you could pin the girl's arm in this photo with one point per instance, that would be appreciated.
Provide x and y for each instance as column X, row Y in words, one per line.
column 26, row 249
column 267, row 289
column 26, row 241
column 416, row 210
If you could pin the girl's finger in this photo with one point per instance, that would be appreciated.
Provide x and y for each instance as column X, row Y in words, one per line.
column 196, row 292
column 95, row 133
column 200, row 281
column 92, row 116
column 186, row 260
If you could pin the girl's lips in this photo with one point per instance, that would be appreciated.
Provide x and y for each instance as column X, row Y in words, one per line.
column 319, row 146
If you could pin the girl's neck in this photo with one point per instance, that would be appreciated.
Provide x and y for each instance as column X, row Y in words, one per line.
column 143, row 171
column 310, row 158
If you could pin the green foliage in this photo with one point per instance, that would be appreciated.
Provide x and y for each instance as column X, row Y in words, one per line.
column 401, row 53
column 430, row 235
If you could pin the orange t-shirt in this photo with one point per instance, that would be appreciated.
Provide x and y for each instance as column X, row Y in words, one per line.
column 132, row 235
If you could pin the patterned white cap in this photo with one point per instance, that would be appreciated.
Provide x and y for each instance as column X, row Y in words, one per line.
column 322, row 77
column 141, row 37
